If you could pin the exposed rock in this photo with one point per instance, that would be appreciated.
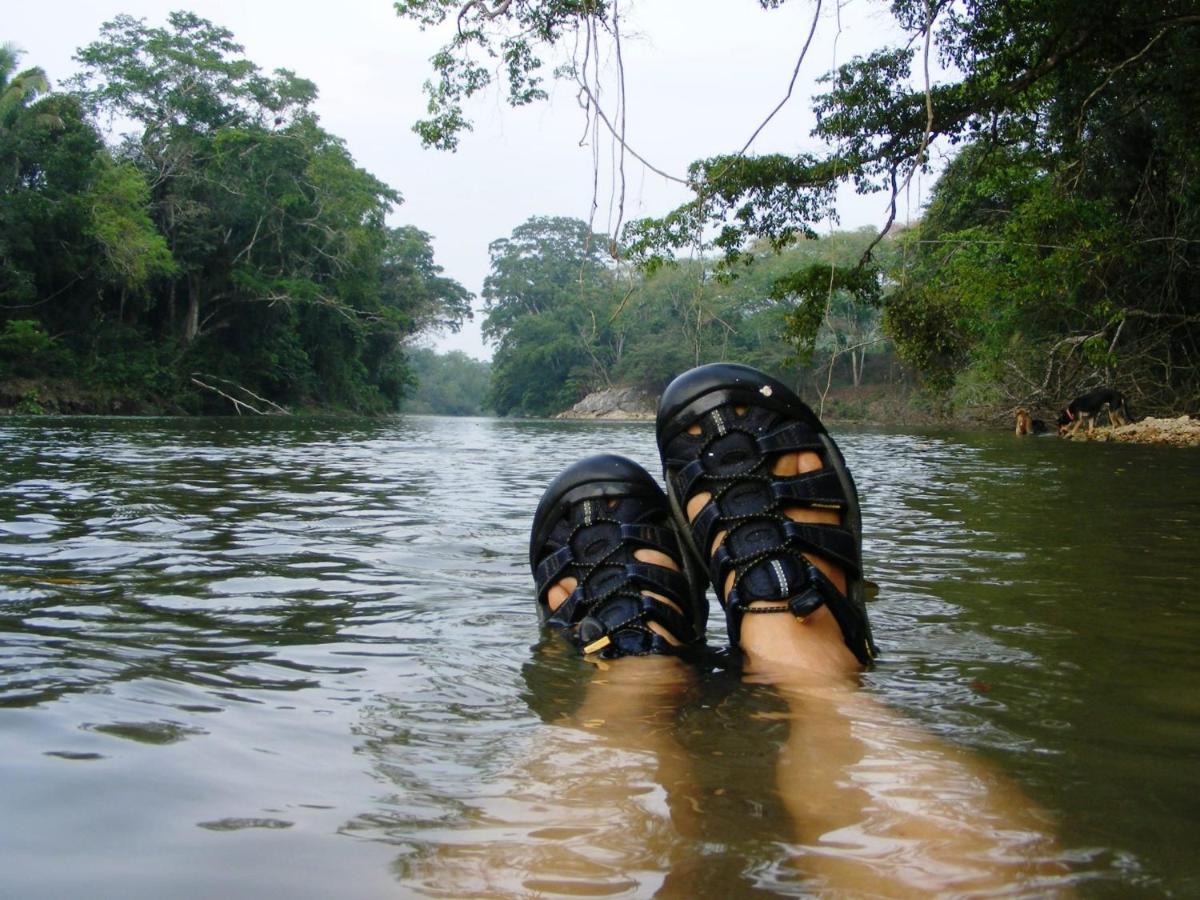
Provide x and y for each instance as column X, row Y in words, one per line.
column 1181, row 432
column 614, row 403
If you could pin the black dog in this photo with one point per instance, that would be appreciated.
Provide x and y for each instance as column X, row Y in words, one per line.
column 1086, row 407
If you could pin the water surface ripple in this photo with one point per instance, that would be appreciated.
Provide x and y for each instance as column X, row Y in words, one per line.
column 299, row 657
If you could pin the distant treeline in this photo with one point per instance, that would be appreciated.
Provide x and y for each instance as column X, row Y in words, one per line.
column 566, row 319
column 225, row 248
column 448, row 384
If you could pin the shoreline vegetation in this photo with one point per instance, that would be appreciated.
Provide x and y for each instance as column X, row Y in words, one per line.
column 1054, row 253
column 226, row 255
column 215, row 251
column 870, row 406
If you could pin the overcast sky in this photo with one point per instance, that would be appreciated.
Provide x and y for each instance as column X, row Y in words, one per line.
column 701, row 75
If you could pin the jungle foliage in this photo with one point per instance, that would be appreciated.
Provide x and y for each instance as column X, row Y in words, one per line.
column 224, row 244
column 1061, row 246
column 566, row 319
column 448, row 384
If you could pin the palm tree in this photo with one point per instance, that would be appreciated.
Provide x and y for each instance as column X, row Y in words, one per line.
column 17, row 91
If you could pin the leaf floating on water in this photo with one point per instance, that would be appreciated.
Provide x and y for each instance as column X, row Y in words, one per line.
column 58, row 580
column 148, row 732
column 73, row 755
column 235, row 823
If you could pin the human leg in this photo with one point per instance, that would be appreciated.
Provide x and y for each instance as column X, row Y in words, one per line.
column 612, row 579
column 879, row 805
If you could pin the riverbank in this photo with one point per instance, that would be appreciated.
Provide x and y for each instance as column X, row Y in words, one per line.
column 879, row 405
column 71, row 397
column 68, row 397
column 1182, row 431
column 868, row 405
column 889, row 405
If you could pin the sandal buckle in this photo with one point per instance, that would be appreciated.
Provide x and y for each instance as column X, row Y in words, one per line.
column 597, row 645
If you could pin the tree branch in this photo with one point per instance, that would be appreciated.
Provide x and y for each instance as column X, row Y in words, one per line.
column 237, row 404
column 1112, row 74
column 479, row 5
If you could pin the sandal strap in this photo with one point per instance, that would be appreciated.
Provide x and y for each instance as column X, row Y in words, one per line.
column 794, row 437
column 607, row 610
column 791, row 438
column 820, row 489
column 830, row 541
column 623, row 580
column 618, row 624
column 551, row 569
column 815, row 591
column 741, row 499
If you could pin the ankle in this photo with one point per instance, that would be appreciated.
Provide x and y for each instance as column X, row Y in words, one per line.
column 781, row 640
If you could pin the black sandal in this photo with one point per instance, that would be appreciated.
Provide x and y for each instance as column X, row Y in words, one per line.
column 590, row 521
column 731, row 460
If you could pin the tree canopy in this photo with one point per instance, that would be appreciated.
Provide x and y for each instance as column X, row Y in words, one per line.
column 225, row 238
column 1060, row 245
column 567, row 320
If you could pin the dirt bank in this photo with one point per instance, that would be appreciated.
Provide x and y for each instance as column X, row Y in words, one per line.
column 873, row 405
column 64, row 396
column 1183, row 431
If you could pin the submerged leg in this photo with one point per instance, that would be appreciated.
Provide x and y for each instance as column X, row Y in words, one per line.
column 880, row 807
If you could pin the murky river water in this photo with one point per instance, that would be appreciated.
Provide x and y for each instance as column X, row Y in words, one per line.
column 254, row 658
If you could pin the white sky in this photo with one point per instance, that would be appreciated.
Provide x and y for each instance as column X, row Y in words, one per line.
column 701, row 75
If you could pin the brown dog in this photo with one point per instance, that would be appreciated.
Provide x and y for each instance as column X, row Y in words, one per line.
column 1026, row 424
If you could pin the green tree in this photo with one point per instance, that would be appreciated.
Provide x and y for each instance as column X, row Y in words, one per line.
column 548, row 300
column 187, row 88
column 66, row 193
column 448, row 384
column 18, row 90
column 1087, row 107
column 414, row 283
column 132, row 253
column 284, row 276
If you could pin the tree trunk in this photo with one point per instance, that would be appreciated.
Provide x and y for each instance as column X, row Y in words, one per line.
column 191, row 320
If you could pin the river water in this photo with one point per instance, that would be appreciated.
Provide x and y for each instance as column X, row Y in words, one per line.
column 277, row 657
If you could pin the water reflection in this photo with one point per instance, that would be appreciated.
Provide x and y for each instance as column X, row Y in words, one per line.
column 212, row 628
